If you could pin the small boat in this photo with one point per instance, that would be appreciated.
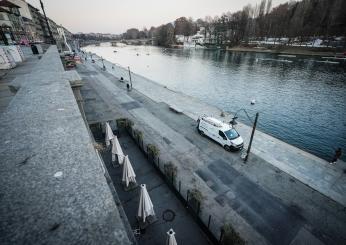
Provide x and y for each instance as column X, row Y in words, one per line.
column 277, row 60
column 287, row 55
column 285, row 61
column 328, row 62
column 334, row 58
column 253, row 102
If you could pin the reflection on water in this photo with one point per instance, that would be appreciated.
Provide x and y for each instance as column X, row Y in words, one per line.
column 300, row 101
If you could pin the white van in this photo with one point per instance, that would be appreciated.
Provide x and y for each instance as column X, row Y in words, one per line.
column 221, row 132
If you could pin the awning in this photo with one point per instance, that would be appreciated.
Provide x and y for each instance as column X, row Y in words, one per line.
column 171, row 238
column 109, row 134
column 117, row 151
column 129, row 175
column 145, row 207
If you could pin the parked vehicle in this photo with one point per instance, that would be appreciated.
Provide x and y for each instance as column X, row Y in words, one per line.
column 220, row 132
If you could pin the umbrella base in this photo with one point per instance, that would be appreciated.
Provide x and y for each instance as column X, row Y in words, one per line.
column 131, row 186
column 148, row 221
column 115, row 164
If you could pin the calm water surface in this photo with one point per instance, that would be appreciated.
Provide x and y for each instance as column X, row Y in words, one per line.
column 302, row 102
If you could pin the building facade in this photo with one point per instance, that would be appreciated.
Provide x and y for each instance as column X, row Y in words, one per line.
column 22, row 23
column 11, row 24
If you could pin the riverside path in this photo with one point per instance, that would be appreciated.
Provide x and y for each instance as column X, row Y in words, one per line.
column 285, row 196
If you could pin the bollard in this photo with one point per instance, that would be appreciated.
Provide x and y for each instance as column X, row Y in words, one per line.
column 221, row 235
column 179, row 186
column 187, row 197
column 209, row 221
column 172, row 178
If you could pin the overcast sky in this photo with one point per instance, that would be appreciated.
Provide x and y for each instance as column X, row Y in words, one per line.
column 116, row 16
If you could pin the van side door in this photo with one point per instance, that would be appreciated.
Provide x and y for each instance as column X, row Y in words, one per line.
column 222, row 139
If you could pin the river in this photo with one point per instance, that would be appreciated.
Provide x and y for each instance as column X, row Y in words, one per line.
column 301, row 100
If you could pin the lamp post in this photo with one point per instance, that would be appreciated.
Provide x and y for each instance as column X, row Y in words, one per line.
column 130, row 77
column 251, row 138
column 233, row 122
column 52, row 40
column 103, row 64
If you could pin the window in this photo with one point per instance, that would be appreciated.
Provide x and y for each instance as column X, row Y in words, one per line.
column 232, row 134
column 222, row 134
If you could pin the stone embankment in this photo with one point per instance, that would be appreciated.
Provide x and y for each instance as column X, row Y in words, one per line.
column 53, row 185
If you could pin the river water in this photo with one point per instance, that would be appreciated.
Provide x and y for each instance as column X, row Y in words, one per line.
column 300, row 100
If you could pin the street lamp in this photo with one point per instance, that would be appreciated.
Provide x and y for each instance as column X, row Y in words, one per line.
column 233, row 122
column 52, row 40
column 251, row 138
column 103, row 64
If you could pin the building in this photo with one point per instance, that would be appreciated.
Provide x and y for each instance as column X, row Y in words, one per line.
column 11, row 24
column 22, row 23
column 37, row 22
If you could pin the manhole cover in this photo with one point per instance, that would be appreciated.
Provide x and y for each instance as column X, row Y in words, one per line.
column 168, row 215
column 166, row 140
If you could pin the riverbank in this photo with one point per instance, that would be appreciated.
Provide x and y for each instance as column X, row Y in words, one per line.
column 287, row 90
column 290, row 183
column 284, row 50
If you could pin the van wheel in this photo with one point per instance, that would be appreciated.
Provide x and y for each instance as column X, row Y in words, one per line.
column 201, row 132
column 227, row 148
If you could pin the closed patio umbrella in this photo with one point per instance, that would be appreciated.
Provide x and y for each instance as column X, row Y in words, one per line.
column 145, row 207
column 129, row 175
column 109, row 134
column 171, row 238
column 116, row 150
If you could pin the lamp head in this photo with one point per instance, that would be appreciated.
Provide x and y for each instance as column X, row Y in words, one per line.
column 233, row 121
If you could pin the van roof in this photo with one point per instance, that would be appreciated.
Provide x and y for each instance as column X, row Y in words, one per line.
column 216, row 123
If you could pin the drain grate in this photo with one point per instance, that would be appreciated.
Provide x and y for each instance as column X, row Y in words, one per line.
column 168, row 215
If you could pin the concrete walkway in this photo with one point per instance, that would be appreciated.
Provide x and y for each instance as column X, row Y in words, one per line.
column 307, row 168
column 271, row 194
column 7, row 76
column 53, row 189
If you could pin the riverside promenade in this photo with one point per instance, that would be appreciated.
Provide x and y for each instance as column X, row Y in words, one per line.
column 313, row 171
column 53, row 185
column 282, row 195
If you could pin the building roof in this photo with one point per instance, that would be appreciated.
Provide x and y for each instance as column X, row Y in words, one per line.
column 4, row 10
column 8, row 4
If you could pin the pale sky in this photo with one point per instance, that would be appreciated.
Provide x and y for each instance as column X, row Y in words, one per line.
column 116, row 16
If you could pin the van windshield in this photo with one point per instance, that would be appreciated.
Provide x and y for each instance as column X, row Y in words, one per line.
column 232, row 134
